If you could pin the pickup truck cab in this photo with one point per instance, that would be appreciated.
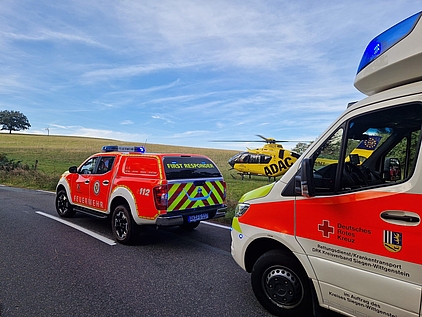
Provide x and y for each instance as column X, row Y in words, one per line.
column 341, row 230
column 135, row 189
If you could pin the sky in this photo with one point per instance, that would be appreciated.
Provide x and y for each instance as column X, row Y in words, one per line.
column 187, row 72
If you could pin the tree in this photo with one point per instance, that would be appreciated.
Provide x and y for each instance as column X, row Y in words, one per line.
column 301, row 147
column 13, row 121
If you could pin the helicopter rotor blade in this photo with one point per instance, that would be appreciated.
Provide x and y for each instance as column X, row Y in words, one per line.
column 264, row 139
column 271, row 140
column 236, row 141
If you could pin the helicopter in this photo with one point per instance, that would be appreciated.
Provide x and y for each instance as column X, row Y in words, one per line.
column 272, row 160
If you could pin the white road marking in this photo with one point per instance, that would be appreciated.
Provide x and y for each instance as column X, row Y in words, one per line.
column 86, row 231
column 215, row 225
column 45, row 191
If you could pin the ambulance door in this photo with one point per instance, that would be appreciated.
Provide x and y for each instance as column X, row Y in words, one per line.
column 81, row 188
column 100, row 183
column 362, row 229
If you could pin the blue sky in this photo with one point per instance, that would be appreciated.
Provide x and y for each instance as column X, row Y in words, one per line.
column 186, row 72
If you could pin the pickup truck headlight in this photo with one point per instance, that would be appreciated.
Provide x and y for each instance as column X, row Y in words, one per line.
column 241, row 208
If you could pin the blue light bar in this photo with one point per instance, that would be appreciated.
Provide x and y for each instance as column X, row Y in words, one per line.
column 387, row 39
column 115, row 148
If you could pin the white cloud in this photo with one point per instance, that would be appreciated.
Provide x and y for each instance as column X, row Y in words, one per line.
column 126, row 122
column 160, row 117
column 190, row 134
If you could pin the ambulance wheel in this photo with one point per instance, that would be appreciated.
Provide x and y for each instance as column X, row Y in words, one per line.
column 280, row 284
column 189, row 225
column 125, row 230
column 63, row 206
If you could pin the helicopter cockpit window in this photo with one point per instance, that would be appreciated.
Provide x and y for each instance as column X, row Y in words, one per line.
column 253, row 158
column 371, row 150
column 245, row 158
column 265, row 159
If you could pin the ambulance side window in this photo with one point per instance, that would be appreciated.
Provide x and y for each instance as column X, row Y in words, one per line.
column 374, row 149
column 405, row 156
column 326, row 162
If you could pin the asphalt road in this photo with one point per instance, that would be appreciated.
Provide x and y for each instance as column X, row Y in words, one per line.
column 48, row 268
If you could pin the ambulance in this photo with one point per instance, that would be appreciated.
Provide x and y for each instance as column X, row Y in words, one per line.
column 135, row 189
column 337, row 232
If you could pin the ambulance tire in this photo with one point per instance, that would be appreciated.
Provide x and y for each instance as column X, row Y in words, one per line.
column 63, row 206
column 125, row 230
column 189, row 226
column 281, row 285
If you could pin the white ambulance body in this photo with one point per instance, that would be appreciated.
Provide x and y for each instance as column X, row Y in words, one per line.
column 340, row 231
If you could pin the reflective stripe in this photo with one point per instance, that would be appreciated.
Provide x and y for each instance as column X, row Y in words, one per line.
column 183, row 196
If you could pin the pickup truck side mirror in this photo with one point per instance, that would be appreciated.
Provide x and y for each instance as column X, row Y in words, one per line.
column 73, row 169
column 392, row 171
column 304, row 183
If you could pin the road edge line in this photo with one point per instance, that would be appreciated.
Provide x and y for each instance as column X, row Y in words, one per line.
column 86, row 231
column 215, row 225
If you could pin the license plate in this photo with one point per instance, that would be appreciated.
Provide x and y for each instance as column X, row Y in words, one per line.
column 199, row 217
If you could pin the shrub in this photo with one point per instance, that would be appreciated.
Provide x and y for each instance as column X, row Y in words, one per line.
column 14, row 173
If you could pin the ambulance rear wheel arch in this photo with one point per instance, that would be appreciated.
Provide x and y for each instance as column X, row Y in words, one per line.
column 281, row 285
column 257, row 248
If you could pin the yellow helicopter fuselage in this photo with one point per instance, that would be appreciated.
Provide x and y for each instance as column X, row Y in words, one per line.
column 271, row 160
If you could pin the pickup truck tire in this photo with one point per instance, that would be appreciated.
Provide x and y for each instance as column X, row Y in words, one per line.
column 281, row 285
column 125, row 230
column 63, row 206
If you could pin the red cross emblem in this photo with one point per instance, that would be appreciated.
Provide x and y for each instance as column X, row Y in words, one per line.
column 325, row 228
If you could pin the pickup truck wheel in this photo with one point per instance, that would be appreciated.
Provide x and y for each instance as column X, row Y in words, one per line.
column 125, row 230
column 281, row 285
column 190, row 225
column 63, row 206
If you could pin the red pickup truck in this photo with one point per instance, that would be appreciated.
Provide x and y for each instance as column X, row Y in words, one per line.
column 135, row 189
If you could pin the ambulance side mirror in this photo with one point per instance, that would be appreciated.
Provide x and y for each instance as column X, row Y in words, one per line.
column 305, row 182
column 392, row 171
column 73, row 169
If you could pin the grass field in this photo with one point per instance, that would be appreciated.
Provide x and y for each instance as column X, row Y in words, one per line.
column 52, row 155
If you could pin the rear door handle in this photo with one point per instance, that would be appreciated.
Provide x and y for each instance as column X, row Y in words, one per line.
column 87, row 182
column 106, row 183
column 396, row 216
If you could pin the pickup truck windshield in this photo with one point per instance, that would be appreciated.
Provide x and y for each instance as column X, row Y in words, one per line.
column 182, row 167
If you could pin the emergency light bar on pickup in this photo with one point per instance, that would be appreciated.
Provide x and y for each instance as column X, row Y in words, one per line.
column 115, row 148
